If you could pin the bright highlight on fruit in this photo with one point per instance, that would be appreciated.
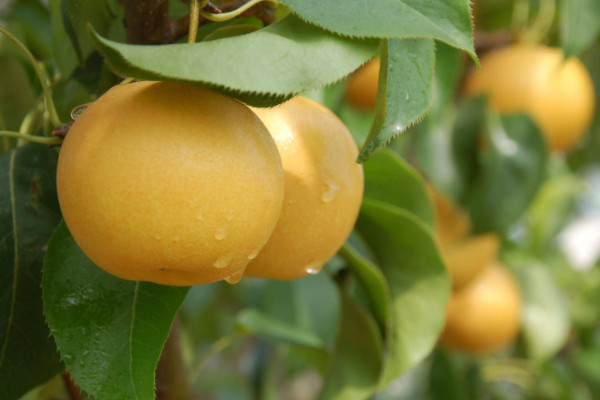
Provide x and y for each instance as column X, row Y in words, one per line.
column 557, row 93
column 485, row 315
column 361, row 90
column 170, row 183
column 323, row 189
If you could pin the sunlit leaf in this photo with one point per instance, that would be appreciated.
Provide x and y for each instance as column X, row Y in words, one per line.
column 445, row 20
column 405, row 89
column 406, row 253
column 390, row 179
column 264, row 67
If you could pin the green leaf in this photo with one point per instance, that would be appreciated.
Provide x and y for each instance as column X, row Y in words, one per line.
column 390, row 179
column 510, row 173
column 412, row 385
column 552, row 210
column 32, row 17
column 309, row 304
column 432, row 138
column 445, row 20
column 406, row 252
column 77, row 14
column 17, row 95
column 546, row 320
column 110, row 332
column 261, row 324
column 448, row 71
column 405, row 89
column 28, row 215
column 64, row 55
column 357, row 360
column 465, row 141
column 579, row 25
column 374, row 282
column 587, row 151
column 228, row 31
column 454, row 377
column 261, row 68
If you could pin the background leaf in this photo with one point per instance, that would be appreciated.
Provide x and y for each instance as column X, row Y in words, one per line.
column 17, row 94
column 510, row 173
column 262, row 324
column 374, row 283
column 546, row 320
column 261, row 68
column 110, row 332
column 28, row 215
column 445, row 20
column 406, row 252
column 64, row 54
column 405, row 89
column 310, row 304
column 466, row 142
column 453, row 377
column 357, row 359
column 77, row 14
column 32, row 18
column 432, row 137
column 390, row 179
column 579, row 25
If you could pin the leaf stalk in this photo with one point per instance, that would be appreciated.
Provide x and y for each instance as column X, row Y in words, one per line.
column 235, row 13
column 41, row 76
column 50, row 141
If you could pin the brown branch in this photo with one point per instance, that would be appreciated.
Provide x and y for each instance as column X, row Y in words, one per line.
column 148, row 21
column 171, row 378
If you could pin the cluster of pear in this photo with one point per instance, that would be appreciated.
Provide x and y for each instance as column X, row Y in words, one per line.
column 484, row 313
column 177, row 184
column 557, row 93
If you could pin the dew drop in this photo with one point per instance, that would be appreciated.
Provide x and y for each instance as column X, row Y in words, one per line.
column 199, row 216
column 222, row 262
column 77, row 111
column 329, row 192
column 230, row 215
column 221, row 233
column 157, row 237
column 176, row 238
column 313, row 268
column 234, row 278
column 253, row 254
